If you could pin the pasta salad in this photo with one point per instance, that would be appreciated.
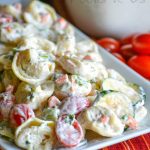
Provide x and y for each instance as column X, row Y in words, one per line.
column 53, row 88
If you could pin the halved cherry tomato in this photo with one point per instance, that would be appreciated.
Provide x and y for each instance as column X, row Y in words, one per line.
column 69, row 131
column 109, row 44
column 7, row 100
column 127, row 51
column 117, row 55
column 141, row 43
column 74, row 105
column 141, row 64
column 127, row 40
column 19, row 114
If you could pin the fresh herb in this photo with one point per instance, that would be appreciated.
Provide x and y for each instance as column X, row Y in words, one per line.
column 27, row 142
column 101, row 94
column 44, row 56
column 16, row 49
column 50, row 114
column 93, row 81
column 69, row 119
column 80, row 80
column 124, row 117
column 48, row 57
column 137, row 104
column 56, row 76
column 30, row 96
column 126, row 128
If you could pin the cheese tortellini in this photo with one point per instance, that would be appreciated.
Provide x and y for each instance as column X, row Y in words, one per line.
column 36, row 134
column 116, row 85
column 66, row 43
column 11, row 32
column 102, row 121
column 35, row 96
column 37, row 43
column 14, row 10
column 88, row 50
column 71, row 85
column 89, row 69
column 38, row 13
column 32, row 66
column 117, row 102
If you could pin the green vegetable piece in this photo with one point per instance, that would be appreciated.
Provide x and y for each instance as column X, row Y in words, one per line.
column 101, row 94
column 69, row 119
column 50, row 114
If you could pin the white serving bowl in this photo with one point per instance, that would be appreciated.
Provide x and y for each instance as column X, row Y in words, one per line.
column 117, row 18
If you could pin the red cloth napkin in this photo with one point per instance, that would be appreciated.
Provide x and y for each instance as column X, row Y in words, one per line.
column 139, row 143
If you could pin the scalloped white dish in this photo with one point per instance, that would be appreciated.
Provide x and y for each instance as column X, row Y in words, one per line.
column 94, row 141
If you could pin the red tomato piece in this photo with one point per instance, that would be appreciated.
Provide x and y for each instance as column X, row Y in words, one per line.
column 69, row 131
column 141, row 44
column 127, row 51
column 62, row 22
column 117, row 55
column 74, row 105
column 87, row 57
column 132, row 123
column 62, row 79
column 109, row 44
column 53, row 101
column 128, row 39
column 104, row 119
column 4, row 18
column 19, row 114
column 140, row 64
column 8, row 28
